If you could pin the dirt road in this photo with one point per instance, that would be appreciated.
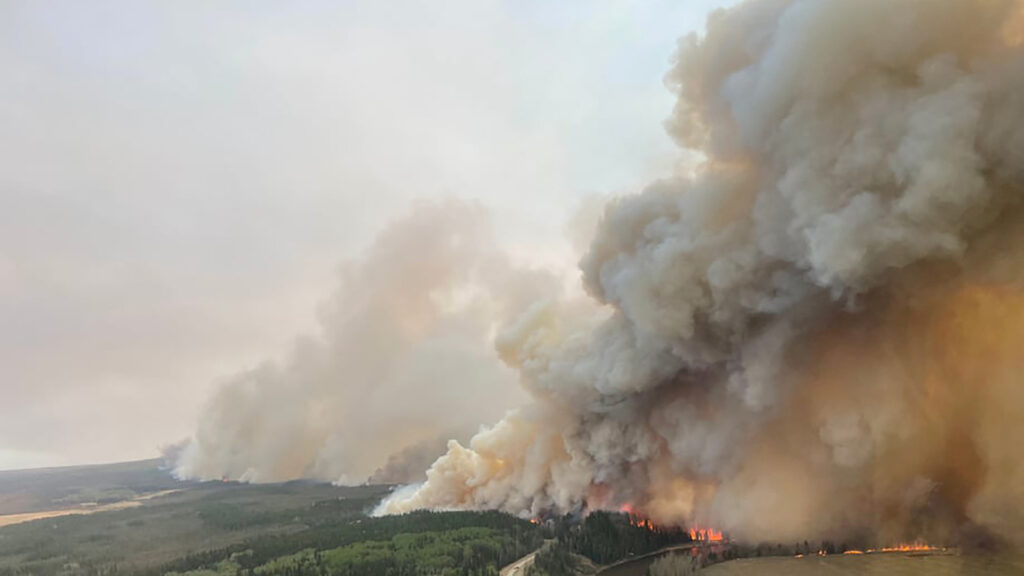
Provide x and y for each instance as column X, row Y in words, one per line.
column 518, row 568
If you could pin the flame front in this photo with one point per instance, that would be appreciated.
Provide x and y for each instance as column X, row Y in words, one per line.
column 901, row 547
column 641, row 522
column 706, row 535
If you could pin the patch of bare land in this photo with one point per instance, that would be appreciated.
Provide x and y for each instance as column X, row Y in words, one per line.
column 80, row 487
column 86, row 508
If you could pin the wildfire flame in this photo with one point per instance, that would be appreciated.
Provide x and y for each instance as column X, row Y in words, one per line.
column 706, row 535
column 914, row 547
column 697, row 534
column 641, row 522
column 902, row 547
column 636, row 519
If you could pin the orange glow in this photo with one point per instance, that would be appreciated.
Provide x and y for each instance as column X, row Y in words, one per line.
column 534, row 520
column 903, row 547
column 636, row 519
column 706, row 535
column 640, row 522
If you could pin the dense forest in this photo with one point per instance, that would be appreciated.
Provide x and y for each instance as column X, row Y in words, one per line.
column 293, row 528
column 607, row 537
column 228, row 529
column 464, row 552
column 603, row 538
column 419, row 543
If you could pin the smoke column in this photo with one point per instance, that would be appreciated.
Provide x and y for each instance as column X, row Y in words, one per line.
column 401, row 358
column 816, row 334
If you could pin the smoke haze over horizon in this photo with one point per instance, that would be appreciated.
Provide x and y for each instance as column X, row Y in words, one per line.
column 182, row 180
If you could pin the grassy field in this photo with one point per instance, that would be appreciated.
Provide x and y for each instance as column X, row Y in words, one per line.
column 873, row 565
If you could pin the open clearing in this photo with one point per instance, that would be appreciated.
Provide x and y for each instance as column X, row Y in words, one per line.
column 88, row 508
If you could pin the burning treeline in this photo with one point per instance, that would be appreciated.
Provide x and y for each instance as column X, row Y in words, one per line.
column 813, row 334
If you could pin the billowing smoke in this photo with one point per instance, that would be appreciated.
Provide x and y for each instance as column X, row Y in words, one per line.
column 402, row 355
column 818, row 332
column 410, row 464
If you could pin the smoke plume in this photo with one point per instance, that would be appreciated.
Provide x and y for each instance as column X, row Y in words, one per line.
column 815, row 334
column 402, row 356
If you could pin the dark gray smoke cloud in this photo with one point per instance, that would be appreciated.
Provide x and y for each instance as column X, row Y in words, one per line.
column 813, row 334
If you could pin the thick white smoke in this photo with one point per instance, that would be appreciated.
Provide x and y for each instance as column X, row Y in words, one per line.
column 403, row 355
column 816, row 334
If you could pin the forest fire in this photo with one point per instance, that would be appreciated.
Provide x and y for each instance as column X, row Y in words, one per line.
column 915, row 547
column 636, row 519
column 902, row 547
column 706, row 535
column 697, row 534
column 640, row 522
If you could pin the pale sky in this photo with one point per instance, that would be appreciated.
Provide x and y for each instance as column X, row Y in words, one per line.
column 180, row 179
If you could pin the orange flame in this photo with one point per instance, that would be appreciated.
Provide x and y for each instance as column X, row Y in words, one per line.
column 641, row 522
column 706, row 535
column 904, row 547
column 636, row 519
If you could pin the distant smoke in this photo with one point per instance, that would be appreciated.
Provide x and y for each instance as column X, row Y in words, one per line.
column 410, row 464
column 819, row 333
column 403, row 354
column 170, row 454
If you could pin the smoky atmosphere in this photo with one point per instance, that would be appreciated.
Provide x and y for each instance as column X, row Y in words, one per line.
column 511, row 288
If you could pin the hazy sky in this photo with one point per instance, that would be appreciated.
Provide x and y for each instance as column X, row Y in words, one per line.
column 179, row 180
